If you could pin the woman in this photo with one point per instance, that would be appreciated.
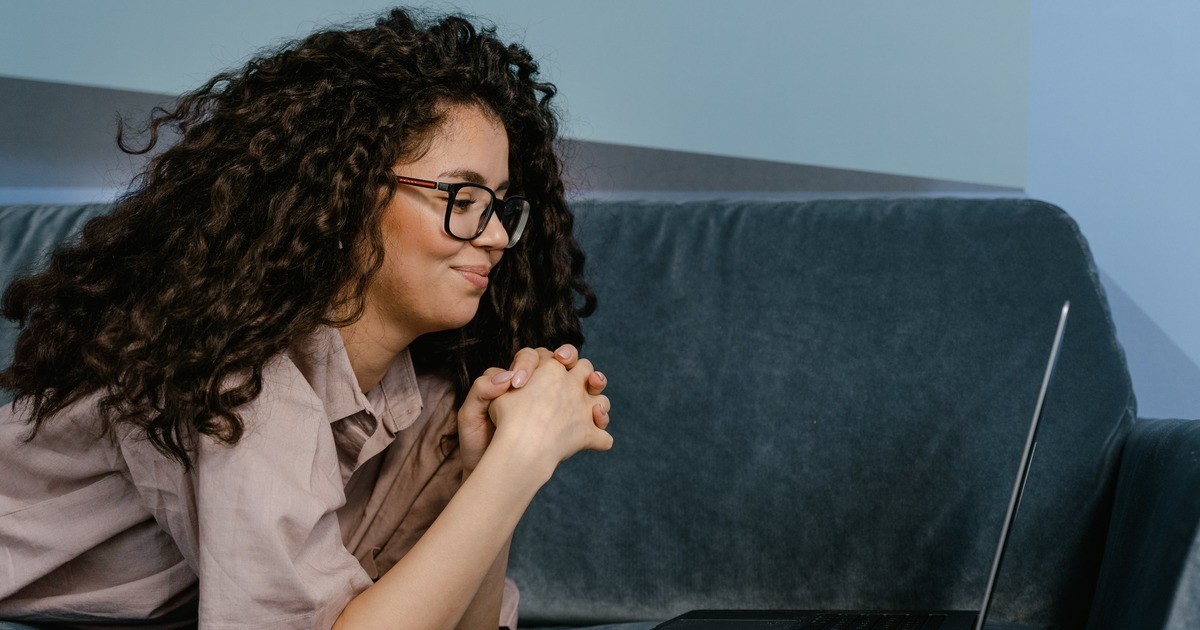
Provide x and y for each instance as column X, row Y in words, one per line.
column 216, row 397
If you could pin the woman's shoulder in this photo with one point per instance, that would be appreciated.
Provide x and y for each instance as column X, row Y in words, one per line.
column 77, row 428
column 305, row 378
column 287, row 410
column 69, row 452
column 285, row 384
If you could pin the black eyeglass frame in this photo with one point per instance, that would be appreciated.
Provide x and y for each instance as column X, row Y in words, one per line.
column 453, row 188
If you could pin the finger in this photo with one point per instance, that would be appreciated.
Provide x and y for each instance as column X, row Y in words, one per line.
column 547, row 361
column 567, row 355
column 583, row 369
column 493, row 382
column 523, row 364
column 601, row 410
column 601, row 441
column 545, row 357
column 599, row 416
column 596, row 382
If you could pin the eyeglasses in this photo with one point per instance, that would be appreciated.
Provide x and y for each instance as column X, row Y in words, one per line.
column 469, row 207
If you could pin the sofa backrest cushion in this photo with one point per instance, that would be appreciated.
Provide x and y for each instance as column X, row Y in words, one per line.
column 815, row 405
column 823, row 404
column 28, row 234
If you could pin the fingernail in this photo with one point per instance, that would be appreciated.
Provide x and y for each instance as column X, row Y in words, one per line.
column 564, row 353
column 502, row 377
column 519, row 378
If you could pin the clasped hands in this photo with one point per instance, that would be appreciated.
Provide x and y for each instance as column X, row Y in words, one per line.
column 551, row 403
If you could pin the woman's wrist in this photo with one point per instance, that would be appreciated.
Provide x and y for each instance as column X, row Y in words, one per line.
column 522, row 457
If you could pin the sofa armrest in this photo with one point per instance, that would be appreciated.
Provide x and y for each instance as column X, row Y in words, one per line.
column 1150, row 577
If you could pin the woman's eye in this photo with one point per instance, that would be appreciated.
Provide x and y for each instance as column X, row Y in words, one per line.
column 461, row 204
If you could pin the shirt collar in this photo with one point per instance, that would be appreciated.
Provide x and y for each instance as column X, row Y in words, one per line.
column 323, row 361
column 396, row 398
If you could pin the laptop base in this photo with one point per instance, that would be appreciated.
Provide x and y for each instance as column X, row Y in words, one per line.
column 821, row 619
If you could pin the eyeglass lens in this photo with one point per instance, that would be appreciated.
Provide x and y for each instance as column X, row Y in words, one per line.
column 468, row 209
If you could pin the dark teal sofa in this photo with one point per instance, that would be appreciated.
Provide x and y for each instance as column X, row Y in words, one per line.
column 822, row 404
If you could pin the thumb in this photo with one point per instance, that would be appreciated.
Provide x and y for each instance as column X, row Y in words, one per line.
column 484, row 390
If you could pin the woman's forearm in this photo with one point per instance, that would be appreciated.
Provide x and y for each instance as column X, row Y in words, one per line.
column 433, row 585
column 484, row 611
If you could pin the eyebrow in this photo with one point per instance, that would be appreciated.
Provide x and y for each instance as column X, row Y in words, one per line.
column 470, row 176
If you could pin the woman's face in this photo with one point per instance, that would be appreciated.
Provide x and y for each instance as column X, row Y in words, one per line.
column 430, row 281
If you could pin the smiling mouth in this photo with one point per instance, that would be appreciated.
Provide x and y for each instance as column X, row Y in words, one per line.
column 476, row 276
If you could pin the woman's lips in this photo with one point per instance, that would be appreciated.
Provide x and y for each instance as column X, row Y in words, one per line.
column 477, row 276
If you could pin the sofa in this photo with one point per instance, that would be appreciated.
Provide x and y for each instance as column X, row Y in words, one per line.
column 822, row 404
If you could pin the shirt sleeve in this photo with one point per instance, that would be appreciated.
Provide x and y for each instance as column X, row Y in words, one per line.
column 270, row 552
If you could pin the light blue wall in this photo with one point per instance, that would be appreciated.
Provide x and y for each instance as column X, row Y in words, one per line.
column 151, row 45
column 1114, row 137
column 935, row 88
column 1093, row 106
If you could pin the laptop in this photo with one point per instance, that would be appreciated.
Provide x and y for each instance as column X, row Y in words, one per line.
column 889, row 619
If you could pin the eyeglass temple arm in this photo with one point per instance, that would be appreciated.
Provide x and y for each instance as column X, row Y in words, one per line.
column 423, row 183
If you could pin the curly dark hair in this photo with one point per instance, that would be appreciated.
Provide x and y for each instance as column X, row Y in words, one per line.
column 228, row 247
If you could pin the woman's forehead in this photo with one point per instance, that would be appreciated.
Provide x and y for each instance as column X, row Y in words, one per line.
column 469, row 144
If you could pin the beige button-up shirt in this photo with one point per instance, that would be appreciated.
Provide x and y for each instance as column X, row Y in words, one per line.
column 325, row 491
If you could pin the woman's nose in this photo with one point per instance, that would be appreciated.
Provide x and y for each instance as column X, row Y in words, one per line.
column 494, row 235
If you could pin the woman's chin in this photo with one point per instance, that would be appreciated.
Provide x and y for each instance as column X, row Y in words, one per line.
column 459, row 319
